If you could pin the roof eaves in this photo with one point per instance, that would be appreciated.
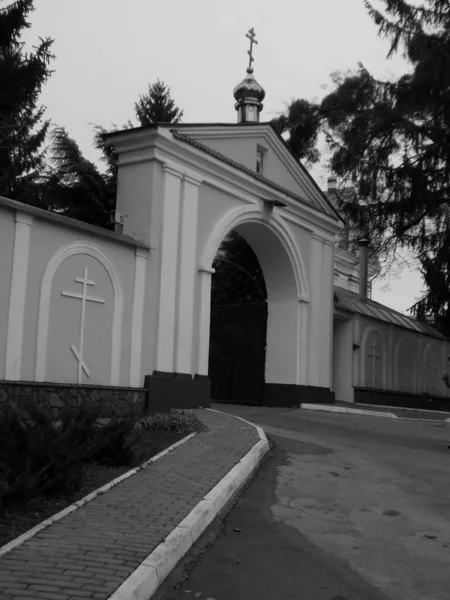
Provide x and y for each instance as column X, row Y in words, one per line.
column 305, row 170
column 386, row 314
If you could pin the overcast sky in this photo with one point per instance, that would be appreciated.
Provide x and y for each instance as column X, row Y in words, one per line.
column 108, row 51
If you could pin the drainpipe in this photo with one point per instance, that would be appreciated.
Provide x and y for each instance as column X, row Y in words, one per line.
column 363, row 268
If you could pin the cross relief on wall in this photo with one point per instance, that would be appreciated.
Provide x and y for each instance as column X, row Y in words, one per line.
column 84, row 297
column 374, row 356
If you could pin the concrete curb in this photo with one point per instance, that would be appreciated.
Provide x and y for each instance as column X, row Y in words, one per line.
column 351, row 411
column 146, row 579
column 369, row 413
column 76, row 505
column 416, row 410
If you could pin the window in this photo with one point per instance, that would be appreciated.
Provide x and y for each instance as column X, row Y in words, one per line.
column 259, row 161
column 374, row 361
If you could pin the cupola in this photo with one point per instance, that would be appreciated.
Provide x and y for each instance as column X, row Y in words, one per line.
column 249, row 94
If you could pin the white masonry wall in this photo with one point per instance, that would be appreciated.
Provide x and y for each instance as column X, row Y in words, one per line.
column 72, row 301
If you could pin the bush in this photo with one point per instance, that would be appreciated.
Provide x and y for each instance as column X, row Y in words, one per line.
column 39, row 456
column 115, row 443
column 178, row 421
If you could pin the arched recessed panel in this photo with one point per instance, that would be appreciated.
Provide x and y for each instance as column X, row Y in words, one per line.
column 82, row 278
column 373, row 360
column 431, row 370
column 405, row 367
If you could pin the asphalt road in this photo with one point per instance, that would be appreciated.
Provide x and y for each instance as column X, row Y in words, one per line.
column 344, row 508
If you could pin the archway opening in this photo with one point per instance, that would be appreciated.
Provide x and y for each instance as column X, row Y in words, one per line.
column 237, row 348
column 255, row 326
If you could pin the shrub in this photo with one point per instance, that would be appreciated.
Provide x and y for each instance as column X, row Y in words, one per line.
column 39, row 456
column 115, row 443
column 178, row 421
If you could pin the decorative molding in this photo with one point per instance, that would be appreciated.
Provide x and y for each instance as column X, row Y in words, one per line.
column 252, row 214
column 172, row 170
column 80, row 247
column 17, row 295
column 142, row 253
column 274, row 143
column 192, row 180
column 137, row 318
column 316, row 236
column 206, row 270
column 219, row 175
column 22, row 217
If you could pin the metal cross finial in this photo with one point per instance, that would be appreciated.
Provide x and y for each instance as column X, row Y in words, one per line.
column 252, row 38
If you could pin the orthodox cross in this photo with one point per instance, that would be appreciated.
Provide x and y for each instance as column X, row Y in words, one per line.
column 374, row 355
column 84, row 297
column 252, row 38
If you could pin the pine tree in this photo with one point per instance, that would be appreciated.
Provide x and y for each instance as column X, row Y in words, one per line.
column 391, row 141
column 157, row 106
column 22, row 126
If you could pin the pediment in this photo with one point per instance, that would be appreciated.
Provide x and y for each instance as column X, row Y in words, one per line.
column 240, row 143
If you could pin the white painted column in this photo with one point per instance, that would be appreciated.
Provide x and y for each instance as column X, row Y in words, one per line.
column 302, row 342
column 168, row 278
column 17, row 296
column 140, row 270
column 187, row 274
column 204, row 320
column 326, row 294
column 315, row 312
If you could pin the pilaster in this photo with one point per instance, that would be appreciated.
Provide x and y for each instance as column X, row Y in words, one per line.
column 168, row 273
column 186, row 274
column 315, row 312
column 138, row 317
column 205, row 320
column 17, row 296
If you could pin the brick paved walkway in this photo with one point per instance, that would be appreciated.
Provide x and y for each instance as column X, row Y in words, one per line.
column 89, row 553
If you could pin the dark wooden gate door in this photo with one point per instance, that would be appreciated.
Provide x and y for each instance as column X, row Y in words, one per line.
column 237, row 354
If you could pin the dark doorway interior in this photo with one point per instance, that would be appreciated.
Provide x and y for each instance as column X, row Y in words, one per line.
column 238, row 324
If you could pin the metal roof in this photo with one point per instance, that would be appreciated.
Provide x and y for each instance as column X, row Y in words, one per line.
column 350, row 301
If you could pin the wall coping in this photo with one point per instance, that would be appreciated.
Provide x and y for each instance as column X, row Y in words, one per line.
column 47, row 215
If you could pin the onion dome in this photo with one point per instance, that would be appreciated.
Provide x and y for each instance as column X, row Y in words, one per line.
column 249, row 95
column 249, row 89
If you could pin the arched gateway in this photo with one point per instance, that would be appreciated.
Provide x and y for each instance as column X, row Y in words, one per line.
column 181, row 189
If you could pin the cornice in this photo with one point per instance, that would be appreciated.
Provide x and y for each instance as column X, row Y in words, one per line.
column 220, row 174
column 23, row 217
column 146, row 145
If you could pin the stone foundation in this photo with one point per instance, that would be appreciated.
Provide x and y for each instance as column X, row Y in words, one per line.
column 112, row 401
